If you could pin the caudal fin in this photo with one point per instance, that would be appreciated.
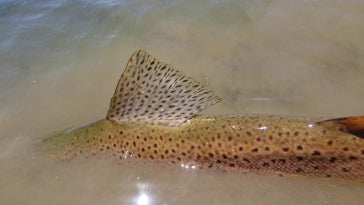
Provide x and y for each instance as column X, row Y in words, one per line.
column 352, row 125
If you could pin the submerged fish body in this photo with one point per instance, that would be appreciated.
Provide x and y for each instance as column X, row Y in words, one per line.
column 152, row 118
column 270, row 145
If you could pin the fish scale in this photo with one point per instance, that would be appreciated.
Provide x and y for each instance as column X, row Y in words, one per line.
column 170, row 132
column 271, row 145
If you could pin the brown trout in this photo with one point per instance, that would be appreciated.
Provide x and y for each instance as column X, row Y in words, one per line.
column 152, row 117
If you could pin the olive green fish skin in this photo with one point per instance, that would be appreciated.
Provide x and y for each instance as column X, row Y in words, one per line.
column 265, row 145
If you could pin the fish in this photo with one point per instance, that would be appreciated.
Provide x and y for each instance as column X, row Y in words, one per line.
column 153, row 117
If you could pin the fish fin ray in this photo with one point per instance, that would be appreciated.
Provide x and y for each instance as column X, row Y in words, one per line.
column 352, row 125
column 154, row 92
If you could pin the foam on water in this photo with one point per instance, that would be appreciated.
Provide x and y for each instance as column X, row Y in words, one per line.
column 60, row 62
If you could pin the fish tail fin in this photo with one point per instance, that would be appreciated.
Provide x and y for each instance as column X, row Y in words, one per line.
column 352, row 125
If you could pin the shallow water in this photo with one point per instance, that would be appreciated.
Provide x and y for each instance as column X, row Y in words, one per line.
column 60, row 62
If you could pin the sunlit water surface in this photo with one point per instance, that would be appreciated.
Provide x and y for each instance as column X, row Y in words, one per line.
column 60, row 62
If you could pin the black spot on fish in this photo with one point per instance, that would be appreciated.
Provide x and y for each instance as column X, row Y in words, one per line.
column 352, row 158
column 299, row 170
column 345, row 170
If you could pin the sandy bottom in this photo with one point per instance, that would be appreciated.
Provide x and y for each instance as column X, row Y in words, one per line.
column 300, row 59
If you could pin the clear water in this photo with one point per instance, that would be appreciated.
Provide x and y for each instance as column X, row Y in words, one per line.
column 60, row 62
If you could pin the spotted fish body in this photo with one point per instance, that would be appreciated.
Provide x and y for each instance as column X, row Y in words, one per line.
column 156, row 122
